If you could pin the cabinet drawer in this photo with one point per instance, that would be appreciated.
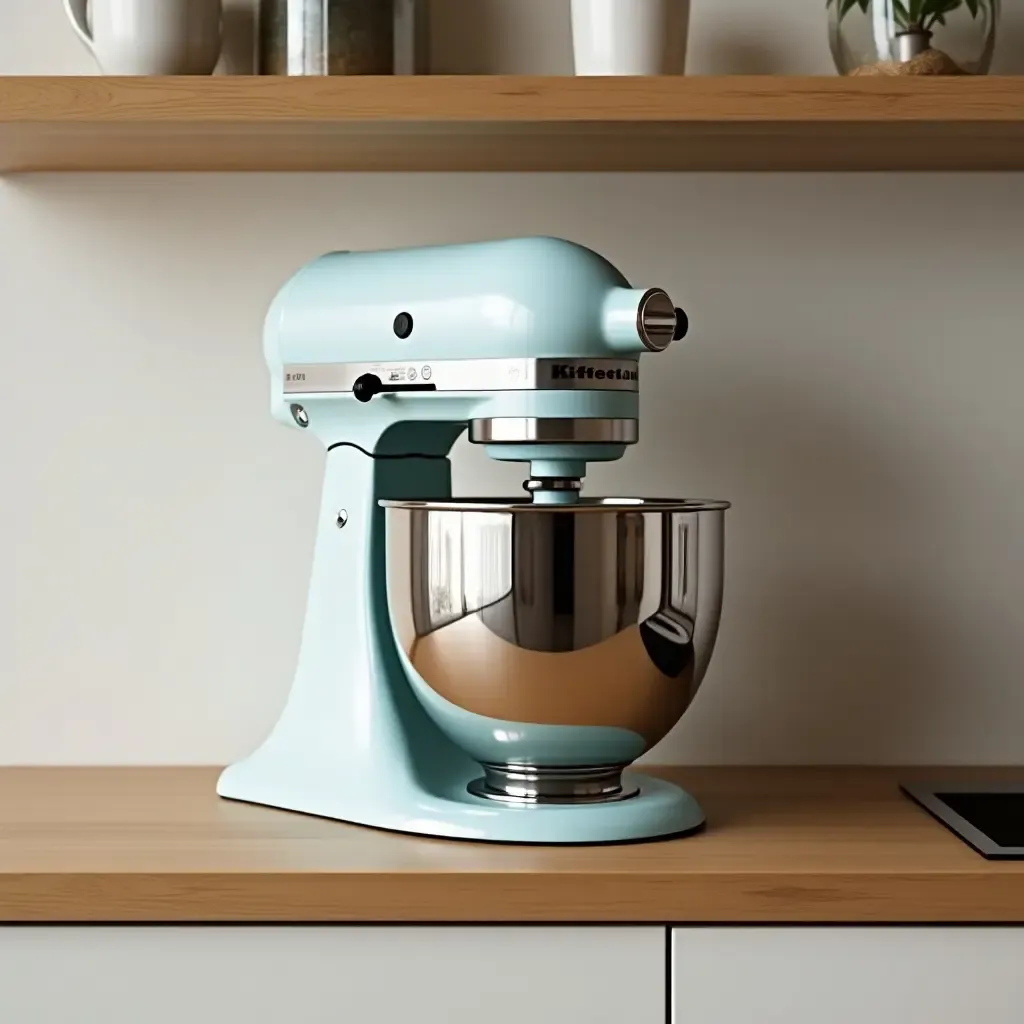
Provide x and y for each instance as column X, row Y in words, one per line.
column 341, row 975
column 848, row 975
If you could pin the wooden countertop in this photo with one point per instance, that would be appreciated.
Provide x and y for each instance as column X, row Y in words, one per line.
column 783, row 845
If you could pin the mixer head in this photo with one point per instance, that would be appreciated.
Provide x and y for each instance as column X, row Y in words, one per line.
column 533, row 344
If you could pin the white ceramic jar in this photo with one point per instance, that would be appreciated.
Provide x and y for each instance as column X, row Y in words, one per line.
column 150, row 37
column 630, row 37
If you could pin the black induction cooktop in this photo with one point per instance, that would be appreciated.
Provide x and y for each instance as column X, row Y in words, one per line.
column 988, row 816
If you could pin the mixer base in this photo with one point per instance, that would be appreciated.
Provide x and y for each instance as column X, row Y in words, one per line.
column 659, row 810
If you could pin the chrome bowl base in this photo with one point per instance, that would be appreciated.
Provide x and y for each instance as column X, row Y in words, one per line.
column 524, row 785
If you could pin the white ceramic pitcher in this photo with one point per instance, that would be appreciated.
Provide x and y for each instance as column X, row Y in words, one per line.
column 150, row 37
column 630, row 37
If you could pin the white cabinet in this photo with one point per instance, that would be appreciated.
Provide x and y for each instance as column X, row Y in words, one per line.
column 331, row 975
column 807, row 975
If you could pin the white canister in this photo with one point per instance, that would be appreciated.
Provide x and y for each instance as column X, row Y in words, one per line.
column 630, row 37
column 150, row 37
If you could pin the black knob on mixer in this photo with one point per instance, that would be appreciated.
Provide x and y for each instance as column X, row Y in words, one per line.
column 682, row 325
column 366, row 387
column 369, row 385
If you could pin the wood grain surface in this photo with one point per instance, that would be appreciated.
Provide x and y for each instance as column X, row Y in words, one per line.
column 505, row 123
column 783, row 845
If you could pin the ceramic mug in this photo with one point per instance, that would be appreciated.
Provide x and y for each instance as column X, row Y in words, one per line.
column 150, row 37
column 630, row 37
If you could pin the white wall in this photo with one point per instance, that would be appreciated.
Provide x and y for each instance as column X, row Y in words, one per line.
column 853, row 384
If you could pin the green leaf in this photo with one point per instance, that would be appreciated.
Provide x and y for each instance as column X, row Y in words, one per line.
column 935, row 11
column 914, row 17
column 845, row 6
column 973, row 6
column 901, row 14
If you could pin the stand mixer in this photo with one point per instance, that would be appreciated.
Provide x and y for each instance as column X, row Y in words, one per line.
column 478, row 668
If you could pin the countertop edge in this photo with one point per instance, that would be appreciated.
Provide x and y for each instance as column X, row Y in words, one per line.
column 497, row 898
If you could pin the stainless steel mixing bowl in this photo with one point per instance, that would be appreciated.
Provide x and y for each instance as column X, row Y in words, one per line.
column 555, row 643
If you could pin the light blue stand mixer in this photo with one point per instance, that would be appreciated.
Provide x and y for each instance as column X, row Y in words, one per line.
column 483, row 669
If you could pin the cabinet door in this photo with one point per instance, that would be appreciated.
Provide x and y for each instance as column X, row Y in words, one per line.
column 331, row 975
column 807, row 975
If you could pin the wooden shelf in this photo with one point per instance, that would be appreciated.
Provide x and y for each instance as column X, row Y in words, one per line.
column 510, row 124
column 782, row 846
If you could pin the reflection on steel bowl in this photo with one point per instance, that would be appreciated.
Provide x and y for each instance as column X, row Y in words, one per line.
column 596, row 620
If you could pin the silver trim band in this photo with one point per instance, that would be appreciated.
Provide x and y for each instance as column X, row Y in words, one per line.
column 596, row 506
column 522, row 430
column 524, row 784
column 470, row 375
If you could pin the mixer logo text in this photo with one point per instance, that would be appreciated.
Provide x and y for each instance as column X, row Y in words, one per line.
column 567, row 371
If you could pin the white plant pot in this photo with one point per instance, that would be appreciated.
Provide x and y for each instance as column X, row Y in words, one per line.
column 630, row 37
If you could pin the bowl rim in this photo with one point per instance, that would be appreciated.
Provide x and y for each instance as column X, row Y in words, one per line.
column 589, row 505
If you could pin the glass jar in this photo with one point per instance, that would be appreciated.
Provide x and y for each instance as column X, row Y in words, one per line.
column 412, row 37
column 913, row 37
column 327, row 37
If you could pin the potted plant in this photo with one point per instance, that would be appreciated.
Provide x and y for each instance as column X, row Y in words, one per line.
column 913, row 37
